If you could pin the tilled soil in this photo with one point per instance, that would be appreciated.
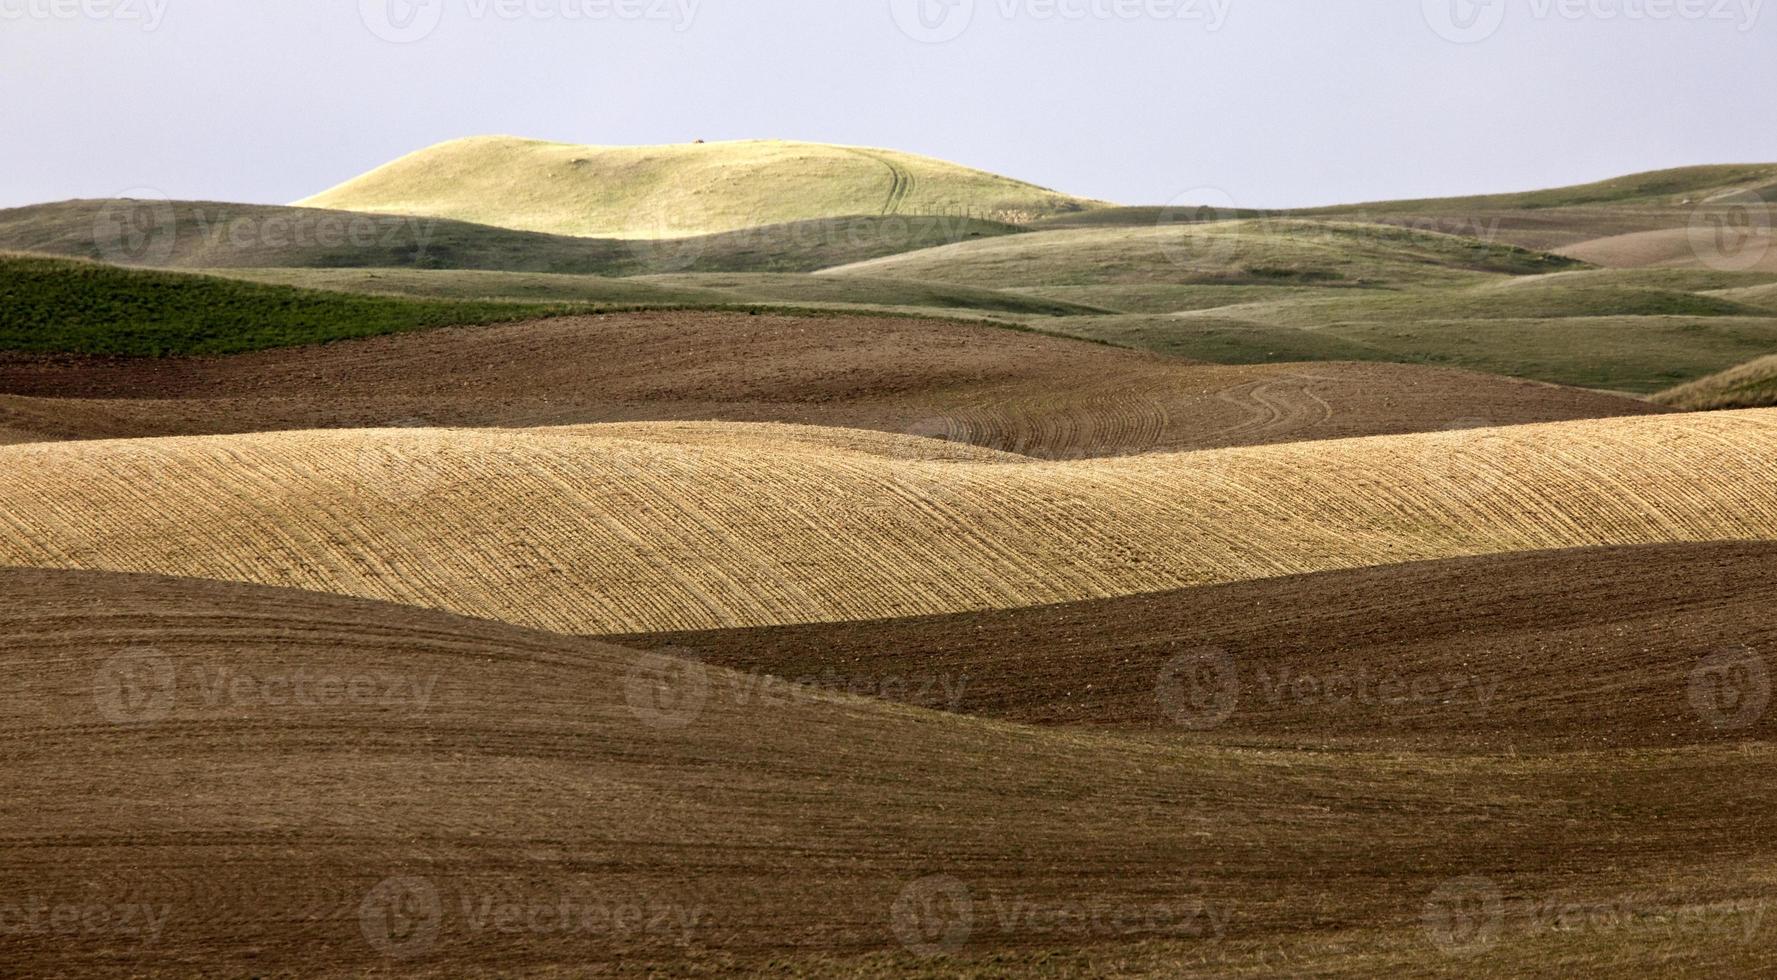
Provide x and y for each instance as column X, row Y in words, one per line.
column 652, row 527
column 203, row 778
column 1024, row 393
column 1583, row 648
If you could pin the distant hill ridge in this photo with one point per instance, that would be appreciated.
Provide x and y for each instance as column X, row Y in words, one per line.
column 682, row 189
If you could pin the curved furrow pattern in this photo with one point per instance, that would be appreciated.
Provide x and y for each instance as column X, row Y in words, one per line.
column 575, row 530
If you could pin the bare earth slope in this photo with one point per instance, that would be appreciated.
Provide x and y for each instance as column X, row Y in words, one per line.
column 1681, row 248
column 637, row 528
column 249, row 781
column 1588, row 647
column 1026, row 393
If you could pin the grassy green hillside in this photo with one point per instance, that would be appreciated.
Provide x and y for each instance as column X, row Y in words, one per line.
column 476, row 284
column 1266, row 252
column 765, row 288
column 1763, row 296
column 808, row 246
column 1636, row 330
column 1543, row 220
column 66, row 305
column 1439, row 282
column 85, row 307
column 1620, row 353
column 1149, row 215
column 681, row 290
column 679, row 190
column 206, row 235
column 1488, row 301
column 1749, row 385
column 1673, row 187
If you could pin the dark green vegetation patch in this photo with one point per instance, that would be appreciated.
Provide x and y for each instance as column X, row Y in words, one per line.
column 53, row 305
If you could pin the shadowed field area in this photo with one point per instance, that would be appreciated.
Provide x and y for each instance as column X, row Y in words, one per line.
column 1024, row 393
column 335, row 741
column 1588, row 648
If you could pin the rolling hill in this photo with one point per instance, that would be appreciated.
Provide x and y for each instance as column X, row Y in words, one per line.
column 642, row 528
column 663, row 192
column 702, row 290
column 1762, row 295
column 1264, row 252
column 397, row 605
column 65, row 306
column 1749, row 385
column 1674, row 187
column 1514, row 629
column 1640, row 330
column 1681, row 248
column 1552, row 219
column 1443, row 282
column 209, row 234
column 1023, row 392
column 259, row 780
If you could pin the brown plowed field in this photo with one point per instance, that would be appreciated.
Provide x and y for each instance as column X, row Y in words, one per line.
column 1579, row 648
column 1041, row 396
column 231, row 780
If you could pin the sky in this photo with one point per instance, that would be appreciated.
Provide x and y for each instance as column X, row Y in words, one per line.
column 1261, row 103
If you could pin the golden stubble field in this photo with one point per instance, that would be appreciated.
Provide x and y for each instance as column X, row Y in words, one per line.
column 685, row 526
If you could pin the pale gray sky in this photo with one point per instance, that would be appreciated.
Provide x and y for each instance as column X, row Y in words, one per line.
column 1275, row 102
